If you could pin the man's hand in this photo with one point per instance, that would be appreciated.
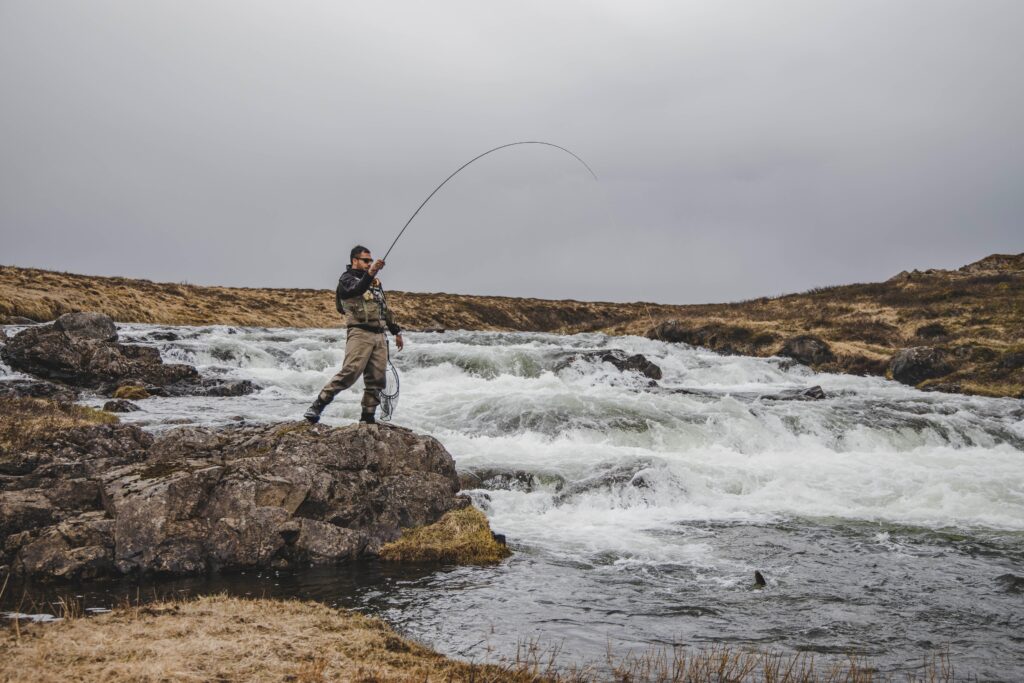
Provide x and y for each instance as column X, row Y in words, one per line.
column 399, row 342
column 377, row 265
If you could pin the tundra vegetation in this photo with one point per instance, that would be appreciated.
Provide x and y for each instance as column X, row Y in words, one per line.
column 972, row 317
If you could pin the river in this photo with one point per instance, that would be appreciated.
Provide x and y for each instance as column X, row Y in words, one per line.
column 888, row 522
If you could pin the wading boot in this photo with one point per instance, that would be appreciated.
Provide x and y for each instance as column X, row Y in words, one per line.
column 312, row 414
column 367, row 418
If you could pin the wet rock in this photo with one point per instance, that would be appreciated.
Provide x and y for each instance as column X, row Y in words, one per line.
column 618, row 476
column 114, row 500
column 498, row 480
column 619, row 359
column 915, row 365
column 211, row 387
column 87, row 326
column 21, row 320
column 37, row 388
column 815, row 393
column 163, row 335
column 120, row 405
column 807, row 349
column 3, row 335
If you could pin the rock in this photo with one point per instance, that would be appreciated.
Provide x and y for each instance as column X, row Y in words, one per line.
column 20, row 320
column 807, row 349
column 3, row 335
column 620, row 359
column 163, row 335
column 51, row 353
column 210, row 387
column 915, row 365
column 37, row 388
column 110, row 499
column 498, row 480
column 1012, row 360
column 87, row 326
column 120, row 406
column 814, row 393
column 135, row 392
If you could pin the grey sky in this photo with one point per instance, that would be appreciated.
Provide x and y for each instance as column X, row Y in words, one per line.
column 743, row 148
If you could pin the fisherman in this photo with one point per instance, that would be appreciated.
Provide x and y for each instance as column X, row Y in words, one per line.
column 360, row 298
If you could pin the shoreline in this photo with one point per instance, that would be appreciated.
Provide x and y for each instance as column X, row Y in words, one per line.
column 257, row 639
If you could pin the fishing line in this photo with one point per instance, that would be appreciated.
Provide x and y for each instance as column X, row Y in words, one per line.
column 511, row 144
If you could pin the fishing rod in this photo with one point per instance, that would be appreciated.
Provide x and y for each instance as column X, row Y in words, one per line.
column 511, row 144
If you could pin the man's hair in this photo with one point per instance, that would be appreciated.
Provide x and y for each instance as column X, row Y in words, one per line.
column 357, row 250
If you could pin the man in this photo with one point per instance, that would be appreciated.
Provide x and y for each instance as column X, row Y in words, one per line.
column 360, row 298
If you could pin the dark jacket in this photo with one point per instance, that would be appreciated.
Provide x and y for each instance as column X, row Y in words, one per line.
column 363, row 303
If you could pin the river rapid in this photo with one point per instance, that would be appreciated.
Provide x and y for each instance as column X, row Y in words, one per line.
column 888, row 522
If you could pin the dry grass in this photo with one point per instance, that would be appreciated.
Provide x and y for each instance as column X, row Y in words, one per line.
column 232, row 639
column 24, row 421
column 461, row 536
column 227, row 639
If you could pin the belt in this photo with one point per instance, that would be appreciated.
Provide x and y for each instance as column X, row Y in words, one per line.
column 368, row 328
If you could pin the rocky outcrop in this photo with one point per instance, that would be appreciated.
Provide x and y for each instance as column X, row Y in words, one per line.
column 619, row 359
column 807, row 349
column 112, row 499
column 81, row 350
column 36, row 388
column 720, row 337
column 915, row 365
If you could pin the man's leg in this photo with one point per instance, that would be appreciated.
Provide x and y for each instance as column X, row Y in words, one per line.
column 374, row 378
column 358, row 349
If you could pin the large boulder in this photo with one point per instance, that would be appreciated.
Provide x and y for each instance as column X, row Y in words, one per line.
column 87, row 326
column 80, row 349
column 113, row 500
column 807, row 349
column 914, row 365
column 81, row 359
column 621, row 360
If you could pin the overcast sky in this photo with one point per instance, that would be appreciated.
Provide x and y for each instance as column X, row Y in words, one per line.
column 743, row 148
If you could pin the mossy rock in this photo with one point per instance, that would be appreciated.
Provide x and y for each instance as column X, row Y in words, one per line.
column 461, row 536
column 132, row 392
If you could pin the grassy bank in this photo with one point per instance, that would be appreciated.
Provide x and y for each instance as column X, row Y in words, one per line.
column 230, row 639
column 975, row 314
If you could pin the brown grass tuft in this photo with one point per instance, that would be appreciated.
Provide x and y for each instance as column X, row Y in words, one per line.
column 26, row 420
column 461, row 536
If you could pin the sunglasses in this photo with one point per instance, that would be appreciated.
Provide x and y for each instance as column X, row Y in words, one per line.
column 364, row 260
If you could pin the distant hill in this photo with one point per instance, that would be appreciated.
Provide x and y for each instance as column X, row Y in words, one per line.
column 973, row 315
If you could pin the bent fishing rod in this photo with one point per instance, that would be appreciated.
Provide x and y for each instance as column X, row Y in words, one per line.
column 511, row 144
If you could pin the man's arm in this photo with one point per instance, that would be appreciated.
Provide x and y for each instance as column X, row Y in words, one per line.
column 350, row 286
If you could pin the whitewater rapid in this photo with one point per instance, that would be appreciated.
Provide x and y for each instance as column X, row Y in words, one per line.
column 639, row 513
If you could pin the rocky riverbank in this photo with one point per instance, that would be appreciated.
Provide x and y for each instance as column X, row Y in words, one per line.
column 946, row 330
column 82, row 496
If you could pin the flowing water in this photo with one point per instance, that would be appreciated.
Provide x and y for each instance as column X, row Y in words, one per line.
column 888, row 522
